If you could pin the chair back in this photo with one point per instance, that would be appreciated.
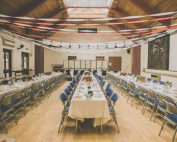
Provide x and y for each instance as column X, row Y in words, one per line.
column 108, row 86
column 63, row 98
column 142, row 90
column 131, row 85
column 170, row 100
column 151, row 94
column 171, row 108
column 17, row 95
column 7, row 100
column 26, row 91
column 114, row 98
column 70, row 88
column 103, row 83
column 71, row 84
column 109, row 92
column 162, row 82
column 36, row 86
column 67, row 92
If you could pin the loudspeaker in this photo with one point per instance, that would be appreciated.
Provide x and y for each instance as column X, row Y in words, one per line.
column 128, row 51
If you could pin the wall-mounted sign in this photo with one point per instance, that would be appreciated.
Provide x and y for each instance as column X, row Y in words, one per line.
column 6, row 41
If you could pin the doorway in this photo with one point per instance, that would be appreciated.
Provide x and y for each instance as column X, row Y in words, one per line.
column 115, row 63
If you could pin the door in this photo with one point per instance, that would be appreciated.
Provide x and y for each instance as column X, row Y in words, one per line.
column 7, row 63
column 115, row 63
column 39, row 59
column 25, row 63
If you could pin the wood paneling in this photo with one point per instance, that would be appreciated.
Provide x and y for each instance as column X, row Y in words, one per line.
column 39, row 59
column 115, row 63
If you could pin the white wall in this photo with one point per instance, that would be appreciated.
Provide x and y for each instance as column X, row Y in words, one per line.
column 16, row 53
column 54, row 57
column 172, row 61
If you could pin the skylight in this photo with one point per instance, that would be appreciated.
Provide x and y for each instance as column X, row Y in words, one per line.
column 88, row 3
column 88, row 8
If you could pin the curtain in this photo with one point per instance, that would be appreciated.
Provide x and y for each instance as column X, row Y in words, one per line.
column 136, row 60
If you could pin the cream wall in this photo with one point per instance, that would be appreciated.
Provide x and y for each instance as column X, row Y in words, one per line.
column 16, row 53
column 50, row 58
column 165, row 75
column 53, row 57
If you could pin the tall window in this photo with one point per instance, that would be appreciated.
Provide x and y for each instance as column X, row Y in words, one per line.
column 25, row 63
column 7, row 63
column 25, row 60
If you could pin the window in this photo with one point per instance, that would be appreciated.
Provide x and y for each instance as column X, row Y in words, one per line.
column 7, row 63
column 25, row 60
column 72, row 58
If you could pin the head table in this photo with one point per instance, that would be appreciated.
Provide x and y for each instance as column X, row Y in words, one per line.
column 83, row 106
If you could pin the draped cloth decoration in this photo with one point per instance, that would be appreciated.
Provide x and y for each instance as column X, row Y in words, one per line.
column 136, row 60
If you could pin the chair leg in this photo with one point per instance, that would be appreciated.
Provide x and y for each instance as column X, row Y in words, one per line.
column 101, row 126
column 152, row 112
column 132, row 100
column 115, row 120
column 163, row 123
column 76, row 126
column 14, row 115
column 156, row 114
column 3, row 121
column 174, row 134
column 144, row 108
column 61, row 123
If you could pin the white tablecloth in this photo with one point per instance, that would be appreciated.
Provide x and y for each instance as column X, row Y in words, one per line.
column 6, row 89
column 95, row 107
column 156, row 87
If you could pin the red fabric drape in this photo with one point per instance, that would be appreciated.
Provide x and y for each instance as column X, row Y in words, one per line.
column 136, row 60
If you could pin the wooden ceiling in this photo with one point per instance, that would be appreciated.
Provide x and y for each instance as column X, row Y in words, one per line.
column 120, row 8
column 34, row 8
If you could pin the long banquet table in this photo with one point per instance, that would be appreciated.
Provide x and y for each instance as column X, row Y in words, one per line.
column 95, row 107
column 156, row 87
column 6, row 89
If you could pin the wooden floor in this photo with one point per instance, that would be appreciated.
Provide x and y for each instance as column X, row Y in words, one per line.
column 41, row 125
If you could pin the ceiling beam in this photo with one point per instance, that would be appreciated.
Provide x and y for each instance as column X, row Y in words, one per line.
column 117, row 12
column 54, row 12
column 146, row 8
column 28, row 7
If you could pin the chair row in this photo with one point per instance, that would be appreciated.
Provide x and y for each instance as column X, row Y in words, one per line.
column 13, row 103
column 65, row 97
column 111, row 97
column 160, row 106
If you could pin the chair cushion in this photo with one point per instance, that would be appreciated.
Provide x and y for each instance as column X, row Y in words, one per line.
column 151, row 101
column 143, row 96
column 172, row 117
column 162, row 107
column 5, row 108
column 17, row 100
